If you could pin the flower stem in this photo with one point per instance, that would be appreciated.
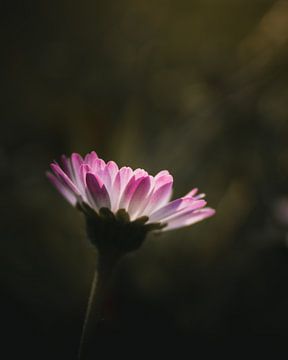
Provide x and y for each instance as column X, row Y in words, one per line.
column 94, row 310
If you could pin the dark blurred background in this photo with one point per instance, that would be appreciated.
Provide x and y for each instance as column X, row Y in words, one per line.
column 198, row 87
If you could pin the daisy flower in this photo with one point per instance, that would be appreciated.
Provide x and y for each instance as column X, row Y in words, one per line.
column 98, row 187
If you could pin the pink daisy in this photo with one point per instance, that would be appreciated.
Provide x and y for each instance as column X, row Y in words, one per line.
column 94, row 185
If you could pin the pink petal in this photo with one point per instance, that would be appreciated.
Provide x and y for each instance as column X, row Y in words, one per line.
column 167, row 210
column 189, row 218
column 161, row 173
column 96, row 192
column 125, row 174
column 192, row 192
column 66, row 166
column 139, row 196
column 128, row 192
column 159, row 198
column 90, row 158
column 140, row 173
column 64, row 179
column 84, row 169
column 76, row 162
column 104, row 175
column 119, row 184
column 176, row 208
column 113, row 169
column 162, row 178
column 64, row 190
column 98, row 165
column 116, row 192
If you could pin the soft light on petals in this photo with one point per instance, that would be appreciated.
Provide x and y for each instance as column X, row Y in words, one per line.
column 186, row 208
column 159, row 198
column 90, row 158
column 125, row 174
column 140, row 173
column 187, row 219
column 167, row 210
column 93, row 183
column 128, row 192
column 162, row 180
column 113, row 169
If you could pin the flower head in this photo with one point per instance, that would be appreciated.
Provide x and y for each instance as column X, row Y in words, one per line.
column 107, row 193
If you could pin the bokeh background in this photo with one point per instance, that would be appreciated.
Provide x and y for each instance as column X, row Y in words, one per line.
column 199, row 87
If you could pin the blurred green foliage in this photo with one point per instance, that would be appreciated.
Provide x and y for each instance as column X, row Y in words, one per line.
column 198, row 87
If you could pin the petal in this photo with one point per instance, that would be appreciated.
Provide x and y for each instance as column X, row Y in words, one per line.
column 113, row 169
column 64, row 190
column 64, row 179
column 84, row 169
column 128, row 192
column 66, row 166
column 159, row 198
column 189, row 218
column 120, row 182
column 176, row 208
column 90, row 158
column 163, row 177
column 76, row 162
column 115, row 192
column 104, row 175
column 192, row 192
column 161, row 173
column 96, row 192
column 187, row 207
column 139, row 173
column 166, row 210
column 139, row 196
column 125, row 175
column 98, row 166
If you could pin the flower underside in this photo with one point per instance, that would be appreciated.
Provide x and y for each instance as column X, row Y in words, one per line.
column 122, row 196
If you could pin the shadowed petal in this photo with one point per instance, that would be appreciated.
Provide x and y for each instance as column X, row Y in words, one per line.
column 84, row 169
column 97, row 192
column 76, row 162
column 106, row 178
column 66, row 166
column 64, row 190
column 64, row 179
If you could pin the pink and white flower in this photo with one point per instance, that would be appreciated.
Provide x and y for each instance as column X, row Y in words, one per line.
column 94, row 183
